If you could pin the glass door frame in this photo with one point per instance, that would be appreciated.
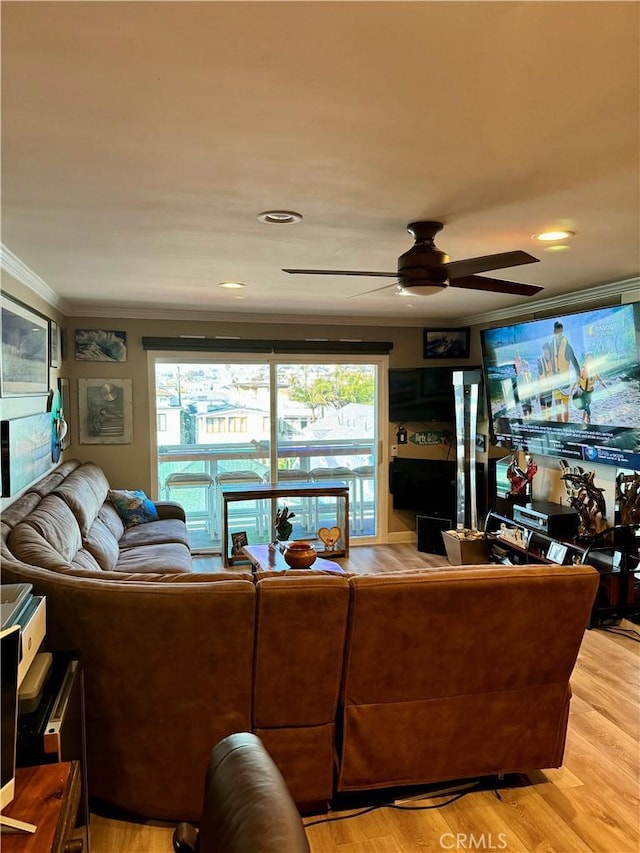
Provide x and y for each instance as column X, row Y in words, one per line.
column 274, row 360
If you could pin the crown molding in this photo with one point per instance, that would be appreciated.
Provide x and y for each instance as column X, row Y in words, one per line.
column 628, row 290
column 152, row 313
column 12, row 264
column 577, row 300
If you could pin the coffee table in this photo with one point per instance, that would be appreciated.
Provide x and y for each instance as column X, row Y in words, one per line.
column 266, row 559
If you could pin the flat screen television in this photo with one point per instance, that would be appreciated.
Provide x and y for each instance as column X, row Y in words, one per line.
column 429, row 486
column 422, row 394
column 567, row 386
column 10, row 654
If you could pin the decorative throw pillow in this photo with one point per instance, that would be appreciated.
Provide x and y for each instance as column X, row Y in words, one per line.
column 133, row 507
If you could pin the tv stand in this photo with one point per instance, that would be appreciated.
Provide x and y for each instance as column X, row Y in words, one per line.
column 613, row 552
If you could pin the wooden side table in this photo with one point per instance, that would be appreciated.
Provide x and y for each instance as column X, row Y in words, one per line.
column 270, row 491
column 47, row 795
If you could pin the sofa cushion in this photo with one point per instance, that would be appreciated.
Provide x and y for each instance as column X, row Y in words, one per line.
column 55, row 478
column 84, row 491
column 109, row 515
column 133, row 506
column 155, row 533
column 168, row 557
column 84, row 560
column 20, row 509
column 102, row 545
column 55, row 523
column 29, row 546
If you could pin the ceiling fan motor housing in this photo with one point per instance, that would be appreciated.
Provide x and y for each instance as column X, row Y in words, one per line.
column 423, row 263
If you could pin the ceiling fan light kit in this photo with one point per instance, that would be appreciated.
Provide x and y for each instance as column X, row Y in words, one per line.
column 554, row 236
column 424, row 269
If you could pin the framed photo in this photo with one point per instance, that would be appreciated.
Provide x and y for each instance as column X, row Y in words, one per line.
column 55, row 344
column 101, row 345
column 445, row 343
column 106, row 412
column 26, row 451
column 238, row 541
column 557, row 552
column 25, row 350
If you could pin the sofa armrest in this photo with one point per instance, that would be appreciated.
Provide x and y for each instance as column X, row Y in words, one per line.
column 170, row 509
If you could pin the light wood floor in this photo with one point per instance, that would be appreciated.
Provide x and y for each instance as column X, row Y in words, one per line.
column 590, row 805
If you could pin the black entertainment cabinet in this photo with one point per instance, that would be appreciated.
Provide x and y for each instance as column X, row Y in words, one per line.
column 614, row 553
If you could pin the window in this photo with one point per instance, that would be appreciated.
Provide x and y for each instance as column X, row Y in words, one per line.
column 237, row 424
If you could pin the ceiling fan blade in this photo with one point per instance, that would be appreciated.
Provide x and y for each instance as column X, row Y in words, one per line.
column 495, row 285
column 501, row 261
column 341, row 272
column 375, row 290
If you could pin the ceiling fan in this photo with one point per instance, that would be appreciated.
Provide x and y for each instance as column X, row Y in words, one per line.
column 424, row 269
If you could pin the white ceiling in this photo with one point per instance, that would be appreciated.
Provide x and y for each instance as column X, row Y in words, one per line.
column 141, row 140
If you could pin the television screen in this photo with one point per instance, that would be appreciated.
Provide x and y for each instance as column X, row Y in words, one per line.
column 568, row 386
column 429, row 485
column 422, row 394
column 10, row 652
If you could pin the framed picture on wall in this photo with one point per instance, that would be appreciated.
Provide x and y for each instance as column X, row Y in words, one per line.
column 25, row 350
column 446, row 343
column 100, row 345
column 105, row 411
column 55, row 344
column 26, row 451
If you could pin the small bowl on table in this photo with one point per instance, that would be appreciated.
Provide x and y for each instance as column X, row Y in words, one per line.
column 300, row 555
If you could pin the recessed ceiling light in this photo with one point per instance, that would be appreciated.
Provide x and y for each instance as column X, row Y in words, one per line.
column 280, row 217
column 231, row 285
column 551, row 236
column 559, row 248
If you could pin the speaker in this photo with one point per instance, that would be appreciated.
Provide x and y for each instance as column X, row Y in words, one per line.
column 429, row 533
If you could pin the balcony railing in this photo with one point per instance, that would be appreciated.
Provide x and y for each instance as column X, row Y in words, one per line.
column 204, row 464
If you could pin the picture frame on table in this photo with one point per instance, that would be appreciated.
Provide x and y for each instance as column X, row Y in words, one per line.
column 446, row 343
column 238, row 541
column 105, row 411
column 25, row 349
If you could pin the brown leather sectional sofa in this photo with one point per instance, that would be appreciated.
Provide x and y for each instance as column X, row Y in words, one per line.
column 352, row 682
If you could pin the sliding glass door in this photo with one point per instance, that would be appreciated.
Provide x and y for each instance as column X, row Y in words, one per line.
column 251, row 421
column 326, row 431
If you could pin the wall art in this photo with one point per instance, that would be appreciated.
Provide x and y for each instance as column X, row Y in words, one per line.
column 446, row 343
column 105, row 407
column 55, row 344
column 25, row 445
column 101, row 345
column 25, row 350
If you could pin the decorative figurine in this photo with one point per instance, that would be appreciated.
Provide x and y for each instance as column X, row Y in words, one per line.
column 521, row 481
column 586, row 498
column 284, row 527
column 628, row 497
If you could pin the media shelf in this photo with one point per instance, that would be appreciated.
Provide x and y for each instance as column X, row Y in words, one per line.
column 614, row 553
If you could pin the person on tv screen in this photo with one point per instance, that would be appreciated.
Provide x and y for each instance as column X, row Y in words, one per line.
column 545, row 381
column 563, row 358
column 582, row 390
column 524, row 378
